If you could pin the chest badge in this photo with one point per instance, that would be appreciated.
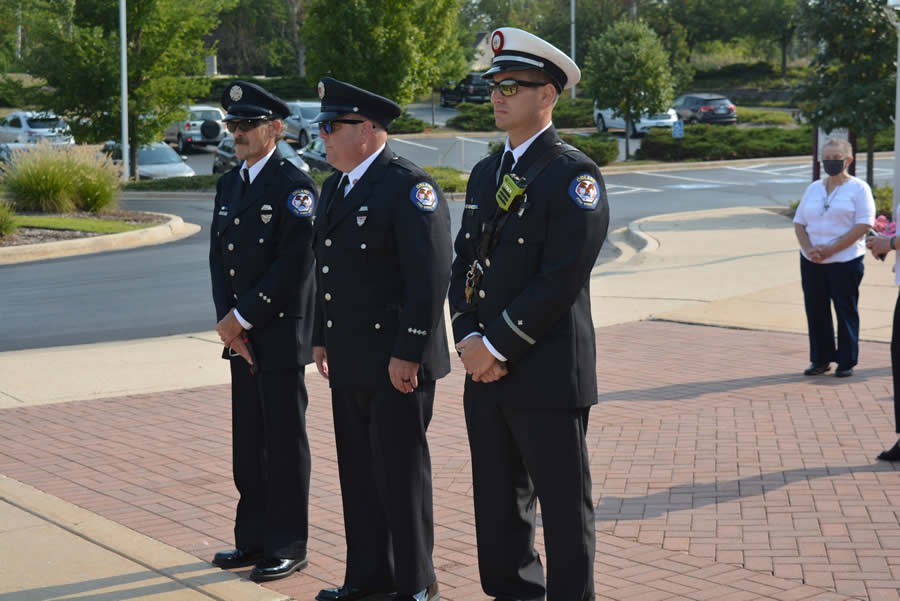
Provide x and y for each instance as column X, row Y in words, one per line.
column 223, row 211
column 265, row 213
column 361, row 216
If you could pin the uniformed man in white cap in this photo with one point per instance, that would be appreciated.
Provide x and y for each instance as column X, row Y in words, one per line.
column 383, row 248
column 535, row 218
column 261, row 263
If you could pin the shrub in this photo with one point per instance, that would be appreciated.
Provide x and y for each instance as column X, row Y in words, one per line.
column 196, row 182
column 711, row 143
column 602, row 148
column 7, row 220
column 448, row 178
column 884, row 201
column 573, row 113
column 52, row 179
column 473, row 117
column 407, row 124
column 764, row 117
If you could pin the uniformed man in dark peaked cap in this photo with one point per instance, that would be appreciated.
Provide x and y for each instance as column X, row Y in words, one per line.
column 383, row 251
column 535, row 218
column 261, row 263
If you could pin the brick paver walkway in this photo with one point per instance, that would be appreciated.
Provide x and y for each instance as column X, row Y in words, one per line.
column 719, row 471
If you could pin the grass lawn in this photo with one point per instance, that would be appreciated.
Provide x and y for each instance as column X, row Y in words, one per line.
column 82, row 224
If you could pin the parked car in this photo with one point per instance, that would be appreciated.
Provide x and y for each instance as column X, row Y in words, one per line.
column 609, row 119
column 226, row 160
column 314, row 153
column 30, row 127
column 203, row 124
column 155, row 161
column 7, row 150
column 470, row 89
column 705, row 108
column 298, row 127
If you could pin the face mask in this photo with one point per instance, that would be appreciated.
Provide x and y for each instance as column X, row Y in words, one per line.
column 833, row 166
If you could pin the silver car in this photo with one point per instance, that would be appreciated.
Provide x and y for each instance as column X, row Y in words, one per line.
column 155, row 161
column 298, row 127
column 31, row 127
column 203, row 125
column 610, row 119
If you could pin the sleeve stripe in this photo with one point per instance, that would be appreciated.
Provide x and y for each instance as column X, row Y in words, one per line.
column 455, row 315
column 515, row 329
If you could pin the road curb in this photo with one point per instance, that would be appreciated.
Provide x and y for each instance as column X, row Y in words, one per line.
column 174, row 229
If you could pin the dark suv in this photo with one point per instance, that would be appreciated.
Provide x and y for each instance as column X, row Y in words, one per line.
column 471, row 89
column 705, row 108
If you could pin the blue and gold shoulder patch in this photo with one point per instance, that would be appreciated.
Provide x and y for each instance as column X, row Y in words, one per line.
column 302, row 202
column 585, row 191
column 424, row 197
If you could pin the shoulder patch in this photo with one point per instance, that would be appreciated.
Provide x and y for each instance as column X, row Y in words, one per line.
column 585, row 191
column 424, row 197
column 302, row 202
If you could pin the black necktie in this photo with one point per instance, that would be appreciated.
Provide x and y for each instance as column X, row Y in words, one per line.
column 342, row 185
column 505, row 165
column 245, row 180
column 338, row 193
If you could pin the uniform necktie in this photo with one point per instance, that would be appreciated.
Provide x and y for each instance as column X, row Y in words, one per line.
column 342, row 185
column 505, row 165
column 245, row 180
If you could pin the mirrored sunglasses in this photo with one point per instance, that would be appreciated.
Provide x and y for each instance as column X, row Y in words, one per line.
column 243, row 124
column 510, row 87
column 328, row 126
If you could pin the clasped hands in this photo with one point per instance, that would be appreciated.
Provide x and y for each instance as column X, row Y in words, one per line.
column 230, row 333
column 479, row 362
column 819, row 253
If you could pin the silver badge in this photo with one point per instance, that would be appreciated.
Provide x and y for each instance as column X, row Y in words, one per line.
column 321, row 89
column 235, row 93
column 360, row 220
column 266, row 217
column 266, row 213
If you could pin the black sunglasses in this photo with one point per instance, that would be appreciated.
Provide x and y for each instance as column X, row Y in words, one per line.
column 328, row 126
column 243, row 124
column 510, row 87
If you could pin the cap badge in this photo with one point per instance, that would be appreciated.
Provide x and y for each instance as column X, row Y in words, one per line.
column 423, row 196
column 321, row 89
column 497, row 41
column 235, row 93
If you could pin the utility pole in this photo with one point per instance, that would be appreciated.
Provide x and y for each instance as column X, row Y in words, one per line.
column 572, row 32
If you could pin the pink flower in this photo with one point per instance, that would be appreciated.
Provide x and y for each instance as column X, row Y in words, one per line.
column 884, row 226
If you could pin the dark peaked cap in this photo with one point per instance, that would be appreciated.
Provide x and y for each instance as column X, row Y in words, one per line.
column 244, row 100
column 340, row 98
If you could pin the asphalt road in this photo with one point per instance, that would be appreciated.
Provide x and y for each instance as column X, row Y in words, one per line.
column 165, row 290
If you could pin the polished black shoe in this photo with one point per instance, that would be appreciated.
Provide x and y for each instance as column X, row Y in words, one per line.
column 237, row 558
column 816, row 370
column 348, row 593
column 892, row 454
column 428, row 594
column 273, row 568
column 843, row 373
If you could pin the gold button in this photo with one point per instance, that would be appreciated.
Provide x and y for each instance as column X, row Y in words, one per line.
column 231, row 247
column 327, row 296
column 327, row 241
column 237, row 220
column 482, row 294
column 324, row 268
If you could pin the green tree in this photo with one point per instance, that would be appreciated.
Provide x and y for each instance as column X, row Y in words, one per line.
column 852, row 84
column 627, row 69
column 775, row 20
column 76, row 51
column 254, row 37
column 708, row 20
column 396, row 48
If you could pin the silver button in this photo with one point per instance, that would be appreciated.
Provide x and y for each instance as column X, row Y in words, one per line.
column 327, row 241
column 521, row 240
column 327, row 296
column 230, row 246
column 281, row 315
column 324, row 268
column 231, row 272
column 268, row 300
column 363, row 246
column 328, row 323
column 487, row 262
column 237, row 220
column 377, row 326
column 261, row 240
column 235, row 296
column 468, row 236
column 482, row 294
column 480, row 325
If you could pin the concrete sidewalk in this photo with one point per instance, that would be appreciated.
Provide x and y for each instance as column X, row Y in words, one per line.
column 720, row 473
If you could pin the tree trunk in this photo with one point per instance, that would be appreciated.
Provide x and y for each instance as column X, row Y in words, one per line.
column 627, row 141
column 870, row 160
column 293, row 7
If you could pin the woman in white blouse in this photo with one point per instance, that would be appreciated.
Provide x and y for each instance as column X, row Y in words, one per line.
column 831, row 221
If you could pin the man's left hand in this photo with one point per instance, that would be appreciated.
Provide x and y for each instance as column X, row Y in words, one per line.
column 404, row 374
column 476, row 358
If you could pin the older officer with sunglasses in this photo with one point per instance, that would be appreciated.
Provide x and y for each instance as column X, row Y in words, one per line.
column 383, row 250
column 261, row 263
column 535, row 218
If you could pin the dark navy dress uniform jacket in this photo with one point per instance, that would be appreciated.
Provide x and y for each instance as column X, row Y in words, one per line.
column 534, row 303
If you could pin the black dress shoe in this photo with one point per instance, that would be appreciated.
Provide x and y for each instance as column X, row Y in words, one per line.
column 273, row 568
column 892, row 454
column 428, row 594
column 237, row 558
column 840, row 372
column 348, row 593
column 816, row 370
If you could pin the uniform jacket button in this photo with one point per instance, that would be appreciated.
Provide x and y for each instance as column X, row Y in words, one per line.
column 327, row 241
column 329, row 323
column 230, row 246
column 482, row 294
column 521, row 240
column 363, row 246
column 237, row 220
column 261, row 240
column 377, row 326
column 281, row 314
column 231, row 272
column 327, row 296
column 487, row 262
column 324, row 268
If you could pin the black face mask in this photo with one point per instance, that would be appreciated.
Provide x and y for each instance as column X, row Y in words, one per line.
column 833, row 166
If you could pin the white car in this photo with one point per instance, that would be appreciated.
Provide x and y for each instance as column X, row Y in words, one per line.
column 298, row 127
column 31, row 127
column 609, row 119
column 155, row 161
column 203, row 125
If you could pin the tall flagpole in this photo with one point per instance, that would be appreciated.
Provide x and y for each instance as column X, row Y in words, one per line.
column 123, row 61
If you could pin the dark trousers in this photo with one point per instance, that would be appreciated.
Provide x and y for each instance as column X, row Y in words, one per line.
column 271, row 460
column 518, row 457
column 824, row 284
column 385, row 471
column 895, row 363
